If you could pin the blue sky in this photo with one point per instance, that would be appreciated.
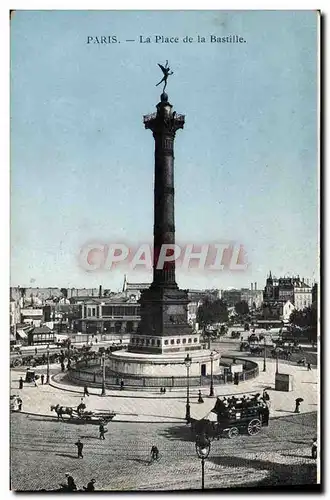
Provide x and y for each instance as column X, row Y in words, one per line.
column 82, row 162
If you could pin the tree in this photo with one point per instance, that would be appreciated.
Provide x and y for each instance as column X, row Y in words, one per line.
column 306, row 320
column 212, row 311
column 242, row 308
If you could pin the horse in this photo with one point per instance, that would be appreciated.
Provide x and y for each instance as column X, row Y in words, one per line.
column 62, row 410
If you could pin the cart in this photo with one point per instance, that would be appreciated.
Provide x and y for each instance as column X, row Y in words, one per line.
column 93, row 417
column 232, row 422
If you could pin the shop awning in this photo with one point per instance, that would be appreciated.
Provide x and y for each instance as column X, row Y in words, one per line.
column 22, row 334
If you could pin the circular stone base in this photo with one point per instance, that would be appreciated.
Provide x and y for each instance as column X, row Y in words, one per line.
column 163, row 365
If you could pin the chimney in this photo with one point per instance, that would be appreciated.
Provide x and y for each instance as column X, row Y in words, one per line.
column 255, row 285
column 251, row 286
column 100, row 291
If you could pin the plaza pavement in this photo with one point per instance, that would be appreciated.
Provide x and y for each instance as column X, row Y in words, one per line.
column 138, row 406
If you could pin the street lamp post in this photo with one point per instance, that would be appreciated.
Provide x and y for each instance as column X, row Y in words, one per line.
column 69, row 354
column 264, row 369
column 211, row 384
column 47, row 373
column 188, row 364
column 203, row 447
column 103, row 375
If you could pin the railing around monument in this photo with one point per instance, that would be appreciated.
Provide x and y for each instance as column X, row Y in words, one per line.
column 93, row 377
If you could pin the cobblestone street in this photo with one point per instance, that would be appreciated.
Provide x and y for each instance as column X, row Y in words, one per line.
column 42, row 451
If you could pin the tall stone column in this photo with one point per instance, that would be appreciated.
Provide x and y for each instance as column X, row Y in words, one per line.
column 164, row 125
column 163, row 306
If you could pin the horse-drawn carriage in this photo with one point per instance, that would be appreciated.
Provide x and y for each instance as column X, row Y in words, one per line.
column 81, row 415
column 248, row 417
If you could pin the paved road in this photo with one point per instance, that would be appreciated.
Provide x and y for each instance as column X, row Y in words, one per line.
column 42, row 451
column 136, row 406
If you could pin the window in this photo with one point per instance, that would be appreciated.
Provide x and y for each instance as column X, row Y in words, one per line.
column 172, row 341
column 189, row 341
column 158, row 342
column 153, row 342
column 178, row 341
column 195, row 339
column 147, row 342
column 166, row 342
column 107, row 311
column 184, row 341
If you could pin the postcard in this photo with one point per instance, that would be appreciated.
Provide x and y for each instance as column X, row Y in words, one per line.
column 164, row 292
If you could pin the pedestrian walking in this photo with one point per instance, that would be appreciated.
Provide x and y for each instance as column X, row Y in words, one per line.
column 36, row 351
column 200, row 399
column 20, row 383
column 86, row 393
column 298, row 402
column 71, row 485
column 121, row 385
column 19, row 403
column 309, row 367
column 80, row 447
column 42, row 378
column 102, row 430
column 314, row 448
column 266, row 398
column 90, row 485
column 154, row 453
column 265, row 415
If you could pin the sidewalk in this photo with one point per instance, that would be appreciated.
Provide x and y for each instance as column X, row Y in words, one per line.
column 134, row 406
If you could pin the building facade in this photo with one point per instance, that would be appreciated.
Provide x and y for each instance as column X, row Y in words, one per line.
column 252, row 296
column 281, row 291
column 107, row 315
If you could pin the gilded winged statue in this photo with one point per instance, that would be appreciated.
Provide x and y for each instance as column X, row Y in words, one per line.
column 166, row 72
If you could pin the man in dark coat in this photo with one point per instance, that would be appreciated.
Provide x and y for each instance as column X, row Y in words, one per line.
column 90, row 485
column 102, row 430
column 42, row 377
column 86, row 393
column 298, row 402
column 71, row 484
column 154, row 453
column 20, row 383
column 80, row 446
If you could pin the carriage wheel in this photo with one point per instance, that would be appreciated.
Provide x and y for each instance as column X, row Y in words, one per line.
column 17, row 362
column 233, row 432
column 254, row 427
